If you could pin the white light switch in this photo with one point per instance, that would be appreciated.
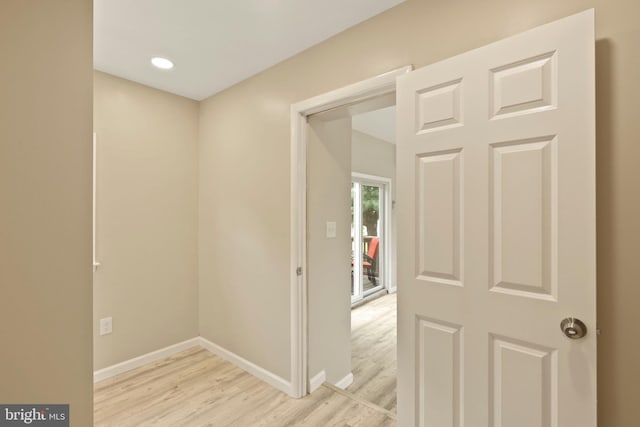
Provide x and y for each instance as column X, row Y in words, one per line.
column 106, row 326
column 331, row 230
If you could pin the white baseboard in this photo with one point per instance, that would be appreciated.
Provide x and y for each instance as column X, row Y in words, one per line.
column 136, row 362
column 255, row 370
column 317, row 381
column 345, row 382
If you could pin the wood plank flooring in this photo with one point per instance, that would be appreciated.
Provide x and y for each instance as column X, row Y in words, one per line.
column 373, row 352
column 196, row 388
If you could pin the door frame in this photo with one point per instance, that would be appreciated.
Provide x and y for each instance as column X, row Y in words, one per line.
column 354, row 93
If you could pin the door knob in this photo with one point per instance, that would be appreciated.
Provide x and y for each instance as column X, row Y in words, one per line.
column 573, row 328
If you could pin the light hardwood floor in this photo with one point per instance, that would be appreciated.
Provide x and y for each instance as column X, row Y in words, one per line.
column 373, row 352
column 196, row 388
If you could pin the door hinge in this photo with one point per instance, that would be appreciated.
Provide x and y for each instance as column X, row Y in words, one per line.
column 299, row 271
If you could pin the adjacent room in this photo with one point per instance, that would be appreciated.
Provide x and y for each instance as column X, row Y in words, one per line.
column 374, row 279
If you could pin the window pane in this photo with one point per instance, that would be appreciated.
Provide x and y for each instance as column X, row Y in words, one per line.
column 371, row 237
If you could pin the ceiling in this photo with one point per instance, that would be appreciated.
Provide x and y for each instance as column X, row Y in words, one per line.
column 380, row 123
column 214, row 43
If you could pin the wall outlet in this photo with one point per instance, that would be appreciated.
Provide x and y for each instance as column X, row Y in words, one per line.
column 331, row 230
column 106, row 326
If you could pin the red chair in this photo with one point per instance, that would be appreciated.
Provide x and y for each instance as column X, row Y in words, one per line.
column 369, row 261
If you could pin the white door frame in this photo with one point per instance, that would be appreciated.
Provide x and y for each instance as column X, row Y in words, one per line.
column 357, row 92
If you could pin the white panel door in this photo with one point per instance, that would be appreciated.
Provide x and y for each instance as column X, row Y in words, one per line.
column 496, row 173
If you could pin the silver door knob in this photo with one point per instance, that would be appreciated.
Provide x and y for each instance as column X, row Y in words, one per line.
column 573, row 328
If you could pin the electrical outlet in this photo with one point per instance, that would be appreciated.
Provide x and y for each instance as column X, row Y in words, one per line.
column 106, row 326
column 331, row 230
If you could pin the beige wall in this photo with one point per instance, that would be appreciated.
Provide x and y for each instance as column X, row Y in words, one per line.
column 45, row 206
column 244, row 225
column 618, row 209
column 244, row 165
column 147, row 219
column 373, row 156
column 328, row 269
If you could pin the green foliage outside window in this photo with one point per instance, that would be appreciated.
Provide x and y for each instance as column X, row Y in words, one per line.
column 370, row 208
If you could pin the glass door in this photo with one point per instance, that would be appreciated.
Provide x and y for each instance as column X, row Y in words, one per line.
column 368, row 238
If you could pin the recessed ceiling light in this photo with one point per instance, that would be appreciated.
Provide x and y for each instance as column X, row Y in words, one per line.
column 163, row 63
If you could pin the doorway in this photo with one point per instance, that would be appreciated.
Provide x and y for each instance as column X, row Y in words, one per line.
column 348, row 218
column 330, row 254
column 376, row 87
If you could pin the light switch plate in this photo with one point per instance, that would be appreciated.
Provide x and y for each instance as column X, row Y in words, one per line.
column 331, row 230
column 106, row 326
